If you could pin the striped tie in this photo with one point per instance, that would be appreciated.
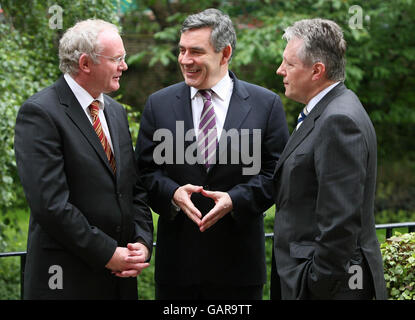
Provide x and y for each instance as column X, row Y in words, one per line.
column 207, row 136
column 303, row 114
column 94, row 110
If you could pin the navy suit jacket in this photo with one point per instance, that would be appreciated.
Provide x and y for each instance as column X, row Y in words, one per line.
column 80, row 211
column 231, row 252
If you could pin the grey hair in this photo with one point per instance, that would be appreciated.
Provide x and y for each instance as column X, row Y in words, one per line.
column 322, row 42
column 79, row 39
column 223, row 32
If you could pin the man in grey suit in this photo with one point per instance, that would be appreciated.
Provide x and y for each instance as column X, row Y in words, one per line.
column 325, row 241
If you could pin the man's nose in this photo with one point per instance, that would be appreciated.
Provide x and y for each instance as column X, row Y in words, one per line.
column 184, row 58
column 123, row 65
column 280, row 71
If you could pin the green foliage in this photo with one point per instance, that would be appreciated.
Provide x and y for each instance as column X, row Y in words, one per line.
column 29, row 63
column 396, row 189
column 380, row 69
column 12, row 239
column 20, row 78
column 380, row 54
column 392, row 216
column 134, row 121
column 9, row 278
column 399, row 264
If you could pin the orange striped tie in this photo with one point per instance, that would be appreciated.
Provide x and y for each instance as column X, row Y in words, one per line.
column 94, row 109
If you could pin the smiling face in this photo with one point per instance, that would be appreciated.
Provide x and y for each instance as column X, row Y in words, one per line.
column 297, row 76
column 201, row 66
column 105, row 76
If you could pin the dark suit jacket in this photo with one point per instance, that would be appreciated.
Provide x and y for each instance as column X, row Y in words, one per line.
column 80, row 211
column 231, row 252
column 325, row 182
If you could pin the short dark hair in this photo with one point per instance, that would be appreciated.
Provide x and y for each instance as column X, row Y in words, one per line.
column 223, row 32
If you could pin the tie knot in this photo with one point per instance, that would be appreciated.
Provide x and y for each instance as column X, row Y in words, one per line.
column 303, row 114
column 94, row 108
column 206, row 94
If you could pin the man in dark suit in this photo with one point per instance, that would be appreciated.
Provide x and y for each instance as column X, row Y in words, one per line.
column 325, row 240
column 90, row 231
column 209, row 197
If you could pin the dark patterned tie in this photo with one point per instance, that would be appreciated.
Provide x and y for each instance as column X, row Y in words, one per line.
column 207, row 136
column 303, row 114
column 94, row 110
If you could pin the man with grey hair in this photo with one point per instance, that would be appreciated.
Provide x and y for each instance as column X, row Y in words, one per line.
column 325, row 241
column 210, row 239
column 90, row 231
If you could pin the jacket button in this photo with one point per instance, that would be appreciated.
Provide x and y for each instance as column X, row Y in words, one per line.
column 118, row 229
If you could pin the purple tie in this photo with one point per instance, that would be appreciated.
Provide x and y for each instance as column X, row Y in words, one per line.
column 207, row 136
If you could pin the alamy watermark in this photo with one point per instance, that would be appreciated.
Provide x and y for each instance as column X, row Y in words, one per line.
column 244, row 147
column 56, row 280
column 356, row 280
column 56, row 20
column 356, row 21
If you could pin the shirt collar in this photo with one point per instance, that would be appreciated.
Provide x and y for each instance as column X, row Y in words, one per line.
column 83, row 96
column 316, row 99
column 221, row 89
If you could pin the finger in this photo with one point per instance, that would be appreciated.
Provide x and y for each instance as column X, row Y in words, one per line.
column 140, row 266
column 135, row 266
column 135, row 246
column 135, row 259
column 195, row 218
column 208, row 220
column 209, row 194
column 192, row 188
column 194, row 211
column 128, row 273
column 136, row 253
column 214, row 215
column 189, row 208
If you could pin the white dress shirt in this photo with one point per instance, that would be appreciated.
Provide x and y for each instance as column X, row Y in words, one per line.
column 221, row 97
column 85, row 100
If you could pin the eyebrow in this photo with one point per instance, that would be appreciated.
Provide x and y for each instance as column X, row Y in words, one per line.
column 192, row 48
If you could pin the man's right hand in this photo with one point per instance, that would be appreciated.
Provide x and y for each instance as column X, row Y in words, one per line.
column 182, row 199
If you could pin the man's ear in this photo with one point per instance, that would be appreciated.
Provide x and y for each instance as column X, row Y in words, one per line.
column 226, row 54
column 319, row 71
column 84, row 63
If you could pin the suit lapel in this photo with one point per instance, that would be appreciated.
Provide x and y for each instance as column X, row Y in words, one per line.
column 238, row 110
column 308, row 124
column 238, row 106
column 183, row 110
column 77, row 115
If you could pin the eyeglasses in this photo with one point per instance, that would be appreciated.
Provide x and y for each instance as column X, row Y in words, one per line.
column 117, row 60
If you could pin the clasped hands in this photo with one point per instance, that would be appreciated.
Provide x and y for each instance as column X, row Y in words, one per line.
column 223, row 205
column 129, row 261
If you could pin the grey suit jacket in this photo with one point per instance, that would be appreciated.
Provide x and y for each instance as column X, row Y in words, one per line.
column 325, row 188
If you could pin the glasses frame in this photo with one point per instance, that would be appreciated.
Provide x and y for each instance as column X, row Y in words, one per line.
column 118, row 60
